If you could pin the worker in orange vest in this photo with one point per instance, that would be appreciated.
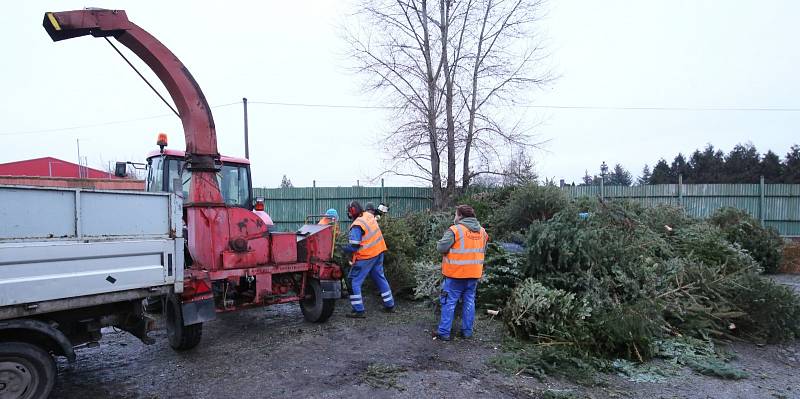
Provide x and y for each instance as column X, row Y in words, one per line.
column 367, row 246
column 331, row 216
column 462, row 246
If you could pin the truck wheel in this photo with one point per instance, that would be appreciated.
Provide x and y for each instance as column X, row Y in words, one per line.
column 315, row 308
column 26, row 371
column 153, row 304
column 180, row 337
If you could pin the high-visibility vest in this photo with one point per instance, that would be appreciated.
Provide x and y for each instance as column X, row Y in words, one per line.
column 372, row 243
column 465, row 258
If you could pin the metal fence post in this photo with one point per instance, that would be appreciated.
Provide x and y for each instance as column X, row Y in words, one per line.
column 383, row 192
column 761, row 200
column 314, row 209
column 680, row 191
column 603, row 188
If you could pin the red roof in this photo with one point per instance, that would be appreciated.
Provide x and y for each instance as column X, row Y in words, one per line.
column 50, row 167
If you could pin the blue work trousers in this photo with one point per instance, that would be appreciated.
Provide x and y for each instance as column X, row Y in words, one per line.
column 372, row 267
column 454, row 289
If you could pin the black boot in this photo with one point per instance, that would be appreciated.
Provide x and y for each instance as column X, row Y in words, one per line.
column 356, row 315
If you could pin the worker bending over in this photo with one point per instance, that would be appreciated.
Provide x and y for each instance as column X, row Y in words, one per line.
column 381, row 210
column 367, row 246
column 463, row 246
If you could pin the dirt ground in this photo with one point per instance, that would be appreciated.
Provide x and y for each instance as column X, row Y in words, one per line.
column 272, row 352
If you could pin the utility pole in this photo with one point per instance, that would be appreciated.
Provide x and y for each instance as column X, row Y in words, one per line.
column 246, row 144
column 603, row 173
column 79, row 157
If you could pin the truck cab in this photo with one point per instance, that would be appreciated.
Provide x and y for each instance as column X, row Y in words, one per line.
column 165, row 170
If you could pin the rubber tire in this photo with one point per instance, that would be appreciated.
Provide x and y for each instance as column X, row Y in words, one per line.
column 180, row 337
column 315, row 308
column 41, row 365
column 153, row 304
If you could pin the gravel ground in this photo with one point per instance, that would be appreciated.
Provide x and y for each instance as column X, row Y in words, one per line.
column 272, row 352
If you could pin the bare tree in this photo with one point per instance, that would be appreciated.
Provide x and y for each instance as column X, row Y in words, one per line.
column 286, row 182
column 395, row 50
column 449, row 67
column 501, row 68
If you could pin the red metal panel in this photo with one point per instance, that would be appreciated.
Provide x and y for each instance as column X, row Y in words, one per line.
column 263, row 286
column 326, row 271
column 238, row 260
column 283, row 247
column 320, row 245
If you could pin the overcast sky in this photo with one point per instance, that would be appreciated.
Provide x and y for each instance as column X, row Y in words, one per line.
column 674, row 54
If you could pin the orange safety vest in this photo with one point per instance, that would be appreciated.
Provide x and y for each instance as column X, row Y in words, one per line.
column 465, row 258
column 372, row 243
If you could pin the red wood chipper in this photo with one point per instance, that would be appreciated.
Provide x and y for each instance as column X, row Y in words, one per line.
column 232, row 260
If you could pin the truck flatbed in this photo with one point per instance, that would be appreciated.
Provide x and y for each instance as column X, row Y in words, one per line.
column 58, row 245
column 73, row 261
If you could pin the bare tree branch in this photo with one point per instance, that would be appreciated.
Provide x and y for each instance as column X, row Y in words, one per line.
column 450, row 66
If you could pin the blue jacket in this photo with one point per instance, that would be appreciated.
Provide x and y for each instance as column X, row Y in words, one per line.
column 354, row 238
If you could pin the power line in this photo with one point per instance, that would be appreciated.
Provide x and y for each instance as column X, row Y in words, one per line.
column 579, row 107
column 692, row 109
column 60, row 129
column 117, row 122
column 350, row 106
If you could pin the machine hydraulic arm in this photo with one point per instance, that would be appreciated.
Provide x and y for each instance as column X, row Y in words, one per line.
column 215, row 231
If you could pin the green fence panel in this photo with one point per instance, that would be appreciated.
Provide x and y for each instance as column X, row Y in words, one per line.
column 777, row 205
column 289, row 207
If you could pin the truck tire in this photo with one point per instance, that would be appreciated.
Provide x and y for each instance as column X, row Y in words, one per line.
column 153, row 304
column 26, row 371
column 180, row 337
column 315, row 308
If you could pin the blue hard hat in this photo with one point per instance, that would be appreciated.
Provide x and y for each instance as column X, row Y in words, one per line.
column 332, row 213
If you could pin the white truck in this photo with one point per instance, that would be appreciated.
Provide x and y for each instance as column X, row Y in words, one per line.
column 73, row 261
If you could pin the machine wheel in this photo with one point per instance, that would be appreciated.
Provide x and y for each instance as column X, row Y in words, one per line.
column 26, row 371
column 315, row 308
column 153, row 304
column 180, row 337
